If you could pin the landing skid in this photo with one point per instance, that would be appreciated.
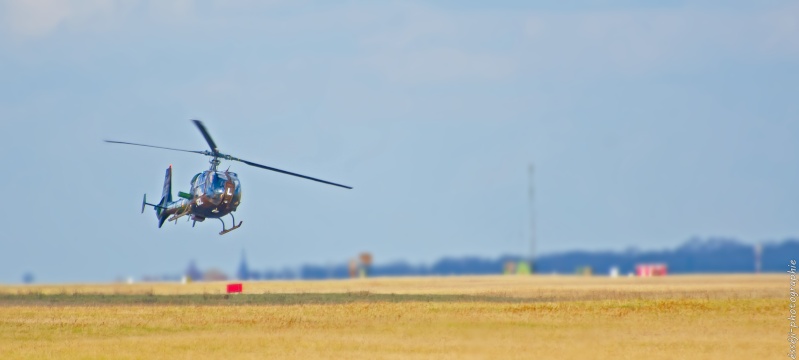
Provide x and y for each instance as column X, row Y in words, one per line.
column 175, row 217
column 224, row 230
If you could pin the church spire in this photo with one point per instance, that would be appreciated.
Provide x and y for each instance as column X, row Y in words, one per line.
column 244, row 270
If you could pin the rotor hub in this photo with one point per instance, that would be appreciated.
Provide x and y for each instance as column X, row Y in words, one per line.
column 214, row 163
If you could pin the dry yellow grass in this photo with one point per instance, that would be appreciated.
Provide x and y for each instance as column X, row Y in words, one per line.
column 557, row 287
column 689, row 317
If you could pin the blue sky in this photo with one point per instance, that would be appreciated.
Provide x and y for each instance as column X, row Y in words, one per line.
column 647, row 125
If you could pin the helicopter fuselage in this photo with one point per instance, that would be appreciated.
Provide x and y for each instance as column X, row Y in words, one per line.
column 213, row 194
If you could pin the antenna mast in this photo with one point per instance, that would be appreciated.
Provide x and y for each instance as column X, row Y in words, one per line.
column 531, row 209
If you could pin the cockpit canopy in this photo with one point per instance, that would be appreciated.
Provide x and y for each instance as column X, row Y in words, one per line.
column 213, row 183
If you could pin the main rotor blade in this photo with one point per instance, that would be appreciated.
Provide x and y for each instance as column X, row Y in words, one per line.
column 153, row 146
column 291, row 173
column 207, row 136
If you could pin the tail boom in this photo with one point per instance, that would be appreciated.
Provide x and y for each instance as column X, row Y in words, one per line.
column 167, row 207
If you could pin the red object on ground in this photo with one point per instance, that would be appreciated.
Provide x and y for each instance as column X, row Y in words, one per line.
column 647, row 270
column 234, row 288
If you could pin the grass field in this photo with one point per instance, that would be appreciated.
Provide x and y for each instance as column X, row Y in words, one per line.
column 544, row 317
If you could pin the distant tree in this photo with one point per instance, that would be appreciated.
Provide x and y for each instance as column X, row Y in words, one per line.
column 27, row 278
column 192, row 272
column 712, row 255
column 214, row 275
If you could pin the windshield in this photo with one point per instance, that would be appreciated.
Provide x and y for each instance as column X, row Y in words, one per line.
column 194, row 181
column 219, row 183
column 235, row 179
column 213, row 184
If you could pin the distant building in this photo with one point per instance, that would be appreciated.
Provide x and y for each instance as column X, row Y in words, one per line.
column 584, row 270
column 614, row 271
column 352, row 268
column 523, row 268
column 509, row 267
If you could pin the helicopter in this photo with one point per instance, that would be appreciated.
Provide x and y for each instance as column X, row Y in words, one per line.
column 213, row 193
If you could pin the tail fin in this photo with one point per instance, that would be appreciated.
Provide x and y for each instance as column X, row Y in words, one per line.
column 166, row 198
